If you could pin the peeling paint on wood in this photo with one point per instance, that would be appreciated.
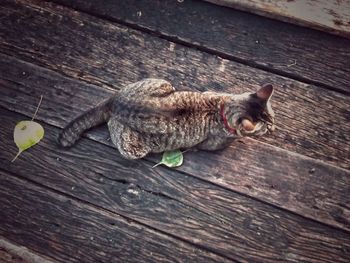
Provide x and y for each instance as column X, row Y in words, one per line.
column 330, row 16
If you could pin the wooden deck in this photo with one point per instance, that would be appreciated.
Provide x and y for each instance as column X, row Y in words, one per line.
column 281, row 198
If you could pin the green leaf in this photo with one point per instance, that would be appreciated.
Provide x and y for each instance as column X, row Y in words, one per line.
column 27, row 134
column 171, row 159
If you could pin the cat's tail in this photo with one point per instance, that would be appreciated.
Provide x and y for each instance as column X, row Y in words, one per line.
column 93, row 117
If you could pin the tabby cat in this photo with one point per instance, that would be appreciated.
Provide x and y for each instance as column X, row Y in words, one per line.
column 151, row 116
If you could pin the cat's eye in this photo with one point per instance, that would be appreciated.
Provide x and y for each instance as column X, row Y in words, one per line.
column 266, row 118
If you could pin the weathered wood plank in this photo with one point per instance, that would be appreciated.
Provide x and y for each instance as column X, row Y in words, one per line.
column 213, row 218
column 71, row 231
column 276, row 176
column 12, row 253
column 6, row 257
column 329, row 16
column 300, row 53
column 110, row 55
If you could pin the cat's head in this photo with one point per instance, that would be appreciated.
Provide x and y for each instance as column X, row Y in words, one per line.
column 251, row 113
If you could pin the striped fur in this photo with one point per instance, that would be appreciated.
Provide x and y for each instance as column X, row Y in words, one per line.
column 151, row 116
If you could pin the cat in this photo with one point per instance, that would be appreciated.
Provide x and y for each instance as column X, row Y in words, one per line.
column 150, row 116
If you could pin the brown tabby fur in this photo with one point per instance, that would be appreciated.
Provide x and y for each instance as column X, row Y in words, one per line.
column 151, row 116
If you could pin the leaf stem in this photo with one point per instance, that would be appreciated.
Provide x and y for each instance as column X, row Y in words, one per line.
column 157, row 164
column 19, row 152
column 185, row 151
column 174, row 157
column 37, row 108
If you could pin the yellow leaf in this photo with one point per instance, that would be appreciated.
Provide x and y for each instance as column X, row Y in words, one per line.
column 27, row 134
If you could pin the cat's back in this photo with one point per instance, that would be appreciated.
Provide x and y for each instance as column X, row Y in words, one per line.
column 146, row 89
column 160, row 96
column 154, row 106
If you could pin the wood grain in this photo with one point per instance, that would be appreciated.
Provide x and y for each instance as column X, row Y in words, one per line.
column 110, row 55
column 274, row 46
column 70, row 231
column 97, row 184
column 263, row 171
column 12, row 253
column 6, row 257
column 213, row 218
column 329, row 16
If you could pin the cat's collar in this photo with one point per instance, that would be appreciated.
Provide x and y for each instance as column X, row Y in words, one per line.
column 224, row 119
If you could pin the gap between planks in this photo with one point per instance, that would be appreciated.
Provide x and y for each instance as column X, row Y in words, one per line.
column 134, row 59
column 205, row 48
column 152, row 160
column 118, row 217
column 99, row 139
column 287, row 220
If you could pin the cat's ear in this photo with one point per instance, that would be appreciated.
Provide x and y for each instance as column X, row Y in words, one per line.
column 265, row 92
column 248, row 125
